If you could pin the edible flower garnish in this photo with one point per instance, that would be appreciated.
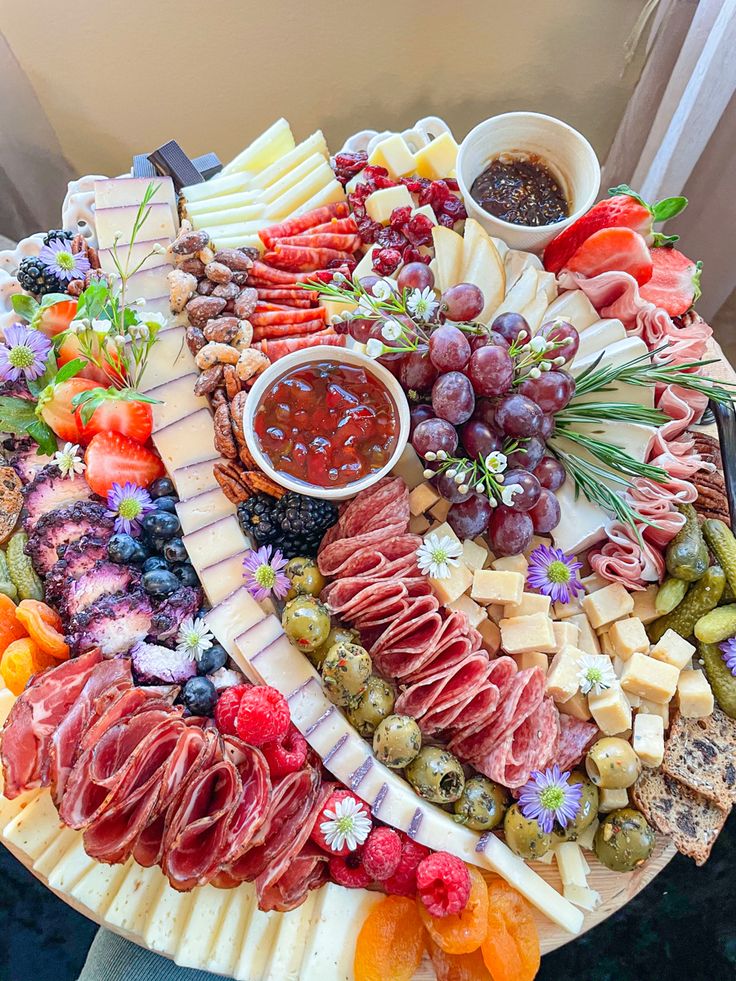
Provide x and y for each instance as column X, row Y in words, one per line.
column 422, row 303
column 391, row 330
column 347, row 824
column 66, row 265
column 24, row 353
column 264, row 575
column 728, row 653
column 554, row 574
column 69, row 461
column 374, row 348
column 128, row 504
column 550, row 797
column 436, row 554
column 194, row 638
column 595, row 674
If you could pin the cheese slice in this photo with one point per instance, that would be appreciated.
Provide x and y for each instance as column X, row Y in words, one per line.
column 581, row 524
column 203, row 509
column 288, row 162
column 140, row 255
column 269, row 146
column 330, row 194
column 175, row 399
column 598, row 337
column 256, row 944
column 195, row 478
column 294, row 930
column 304, row 190
column 170, row 359
column 200, row 927
column 34, row 828
column 516, row 262
column 150, row 283
column 273, row 192
column 233, row 616
column 166, row 919
column 54, row 852
column 573, row 306
column 338, row 917
column 214, row 542
column 227, row 937
column 218, row 186
column 222, row 578
column 219, row 216
column 99, row 884
column 133, row 903
column 70, row 869
column 118, row 192
column 189, row 439
column 117, row 224
column 7, row 700
column 10, row 808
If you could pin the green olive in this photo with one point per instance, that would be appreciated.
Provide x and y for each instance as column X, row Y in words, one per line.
column 337, row 635
column 372, row 706
column 524, row 835
column 482, row 804
column 612, row 764
column 306, row 622
column 345, row 670
column 624, row 840
column 306, row 579
column 397, row 740
column 436, row 775
column 587, row 811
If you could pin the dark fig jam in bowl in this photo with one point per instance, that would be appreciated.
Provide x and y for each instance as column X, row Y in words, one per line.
column 326, row 422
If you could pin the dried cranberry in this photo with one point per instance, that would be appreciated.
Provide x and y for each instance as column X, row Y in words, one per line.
column 344, row 265
column 452, row 183
column 390, row 238
column 410, row 254
column 444, row 219
column 400, row 216
column 385, row 261
column 347, row 165
column 419, row 230
column 368, row 229
column 436, row 194
column 359, row 194
column 454, row 206
column 415, row 184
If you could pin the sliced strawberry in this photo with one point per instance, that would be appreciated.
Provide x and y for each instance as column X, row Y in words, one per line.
column 626, row 209
column 675, row 282
column 71, row 348
column 619, row 249
column 112, row 458
column 56, row 317
column 55, row 406
column 117, row 411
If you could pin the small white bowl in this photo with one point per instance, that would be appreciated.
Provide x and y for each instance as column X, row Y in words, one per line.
column 568, row 154
column 298, row 360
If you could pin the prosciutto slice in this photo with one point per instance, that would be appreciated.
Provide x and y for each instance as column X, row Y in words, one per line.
column 307, row 871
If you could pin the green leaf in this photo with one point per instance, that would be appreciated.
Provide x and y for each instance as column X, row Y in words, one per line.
column 625, row 189
column 70, row 369
column 37, row 385
column 25, row 306
column 659, row 239
column 698, row 292
column 88, row 402
column 668, row 207
column 44, row 436
column 16, row 414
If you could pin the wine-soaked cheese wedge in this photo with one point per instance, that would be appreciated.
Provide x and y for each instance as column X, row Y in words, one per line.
column 199, row 928
column 140, row 255
column 135, row 900
column 119, row 192
column 222, row 578
column 175, row 399
column 170, row 359
column 598, row 337
column 330, row 948
column 294, row 930
column 252, row 641
column 225, row 940
column 99, row 884
column 187, row 439
column 149, row 283
column 166, row 919
column 54, row 851
column 117, row 224
column 269, row 146
column 34, row 828
column 203, row 509
column 214, row 542
column 72, row 866
column 195, row 478
column 234, row 615
column 573, row 306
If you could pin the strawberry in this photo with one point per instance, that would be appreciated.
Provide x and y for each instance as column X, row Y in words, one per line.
column 619, row 249
column 626, row 209
column 343, row 823
column 112, row 410
column 56, row 409
column 112, row 458
column 71, row 348
column 675, row 282
column 56, row 317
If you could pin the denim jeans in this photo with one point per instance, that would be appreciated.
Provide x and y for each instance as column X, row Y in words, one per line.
column 111, row 958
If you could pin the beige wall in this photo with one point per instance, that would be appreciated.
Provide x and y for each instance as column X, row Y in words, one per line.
column 121, row 77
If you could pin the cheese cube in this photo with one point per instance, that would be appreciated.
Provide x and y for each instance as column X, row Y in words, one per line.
column 661, row 709
column 694, row 695
column 610, row 710
column 648, row 739
column 410, row 468
column 491, row 636
column 532, row 633
column 618, row 665
column 565, row 633
column 422, row 498
column 495, row 612
column 474, row 555
column 628, row 637
column 593, row 582
column 428, row 211
column 490, row 586
column 612, row 800
column 604, row 639
column 476, row 614
column 562, row 678
column 380, row 204
column 453, row 587
column 444, row 529
column 419, row 524
column 587, row 640
column 633, row 700
column 511, row 563
column 365, row 268
column 563, row 611
column 577, row 707
column 440, row 509
column 608, row 604
column 644, row 607
column 532, row 659
column 673, row 649
column 438, row 158
column 394, row 154
column 649, row 678
column 530, row 603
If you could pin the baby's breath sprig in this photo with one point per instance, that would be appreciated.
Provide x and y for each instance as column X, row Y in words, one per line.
column 535, row 356
column 484, row 475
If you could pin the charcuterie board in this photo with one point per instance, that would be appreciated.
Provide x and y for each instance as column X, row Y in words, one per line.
column 358, row 585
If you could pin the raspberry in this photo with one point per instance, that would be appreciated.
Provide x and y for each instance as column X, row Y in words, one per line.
column 346, row 813
column 286, row 755
column 263, row 715
column 400, row 216
column 382, row 853
column 404, row 880
column 443, row 883
column 419, row 230
column 226, row 711
column 349, row 871
column 385, row 261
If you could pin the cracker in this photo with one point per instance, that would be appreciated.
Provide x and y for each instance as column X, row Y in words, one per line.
column 701, row 754
column 11, row 502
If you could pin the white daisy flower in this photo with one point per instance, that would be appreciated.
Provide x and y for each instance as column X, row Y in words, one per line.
column 382, row 290
column 422, row 303
column 69, row 461
column 374, row 348
column 194, row 638
column 436, row 554
column 392, row 330
column 595, row 674
column 347, row 824
column 496, row 462
column 509, row 492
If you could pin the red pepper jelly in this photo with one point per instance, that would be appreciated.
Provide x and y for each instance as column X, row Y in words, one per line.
column 327, row 424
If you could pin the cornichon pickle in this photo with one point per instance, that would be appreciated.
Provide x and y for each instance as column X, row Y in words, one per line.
column 728, row 594
column 720, row 538
column 6, row 584
column 22, row 573
column 701, row 598
column 719, row 624
column 719, row 677
column 670, row 594
column 687, row 553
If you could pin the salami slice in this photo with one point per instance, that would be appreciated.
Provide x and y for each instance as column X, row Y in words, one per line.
column 389, row 558
column 512, row 761
column 576, row 737
column 500, row 672
column 429, row 700
column 300, row 223
column 415, row 632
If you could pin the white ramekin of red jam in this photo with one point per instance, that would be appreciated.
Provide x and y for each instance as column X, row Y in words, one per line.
column 326, row 422
column 525, row 176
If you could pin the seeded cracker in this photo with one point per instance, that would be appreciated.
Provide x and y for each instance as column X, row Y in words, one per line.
column 701, row 754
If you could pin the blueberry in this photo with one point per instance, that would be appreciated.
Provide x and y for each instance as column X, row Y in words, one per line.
column 167, row 504
column 161, row 524
column 155, row 562
column 212, row 659
column 199, row 696
column 160, row 582
column 122, row 548
column 174, row 550
column 140, row 554
column 163, row 487
column 186, row 574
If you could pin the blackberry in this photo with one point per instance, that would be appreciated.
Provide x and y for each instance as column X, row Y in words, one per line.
column 35, row 278
column 57, row 235
column 256, row 519
column 295, row 525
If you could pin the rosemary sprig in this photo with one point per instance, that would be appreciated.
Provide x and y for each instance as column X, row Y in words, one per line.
column 591, row 412
column 613, row 456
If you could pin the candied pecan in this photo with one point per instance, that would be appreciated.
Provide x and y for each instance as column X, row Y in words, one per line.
column 218, row 398
column 234, row 259
column 246, row 457
column 209, row 380
column 195, row 339
column 213, row 353
column 205, row 287
column 250, row 363
column 233, row 384
column 218, row 272
column 189, row 242
column 230, row 308
column 250, row 252
column 75, row 287
column 228, row 477
column 221, row 329
column 259, row 483
column 224, row 439
column 245, row 303
column 240, row 278
column 228, row 291
column 79, row 244
column 237, row 407
column 181, row 288
column 200, row 309
column 193, row 266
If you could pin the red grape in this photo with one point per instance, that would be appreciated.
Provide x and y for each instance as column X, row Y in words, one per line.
column 546, row 512
column 447, row 487
column 547, row 427
column 471, row 517
column 486, row 338
column 551, row 391
column 479, row 439
column 528, row 454
column 449, row 348
column 528, row 496
column 415, row 276
column 419, row 413
column 510, row 325
column 418, row 374
column 550, row 473
column 452, row 397
column 491, row 370
column 463, row 302
column 518, row 416
column 510, row 532
column 434, row 435
column 392, row 362
column 485, row 410
column 561, row 330
column 360, row 329
column 368, row 282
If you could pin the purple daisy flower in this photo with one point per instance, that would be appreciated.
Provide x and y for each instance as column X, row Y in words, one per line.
column 549, row 797
column 728, row 653
column 554, row 574
column 24, row 353
column 62, row 262
column 128, row 504
column 263, row 573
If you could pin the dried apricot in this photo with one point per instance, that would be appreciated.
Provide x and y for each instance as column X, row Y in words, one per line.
column 390, row 943
column 457, row 967
column 20, row 661
column 10, row 626
column 44, row 626
column 461, row 933
column 511, row 947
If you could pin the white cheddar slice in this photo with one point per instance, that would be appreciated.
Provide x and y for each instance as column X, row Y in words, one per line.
column 166, row 919
column 188, row 438
column 331, row 193
column 575, row 307
column 222, row 578
column 287, row 953
column 247, row 215
column 233, row 616
column 54, row 852
column 269, row 146
column 170, row 359
column 196, row 477
column 35, row 827
column 214, row 542
column 269, row 195
column 203, row 509
column 520, row 294
column 304, row 190
column 598, row 337
column 117, row 224
column 571, row 864
column 175, row 399
column 338, row 916
column 72, row 866
column 515, row 262
column 581, row 524
column 99, row 885
column 224, row 943
column 219, row 186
